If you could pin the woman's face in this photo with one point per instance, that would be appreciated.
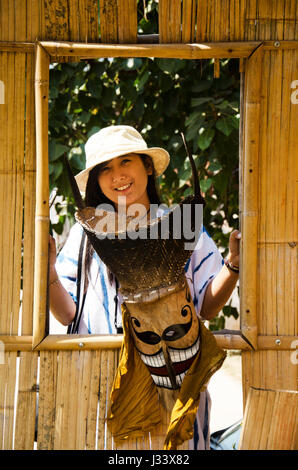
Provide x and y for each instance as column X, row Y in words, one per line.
column 125, row 177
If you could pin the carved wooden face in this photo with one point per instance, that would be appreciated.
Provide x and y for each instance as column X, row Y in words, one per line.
column 166, row 334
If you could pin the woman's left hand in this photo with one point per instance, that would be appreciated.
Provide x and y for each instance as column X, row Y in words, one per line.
column 234, row 247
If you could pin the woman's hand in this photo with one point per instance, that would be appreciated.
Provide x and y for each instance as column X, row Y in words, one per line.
column 52, row 258
column 234, row 247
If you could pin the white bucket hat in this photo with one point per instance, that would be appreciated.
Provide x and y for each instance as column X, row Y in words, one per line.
column 115, row 141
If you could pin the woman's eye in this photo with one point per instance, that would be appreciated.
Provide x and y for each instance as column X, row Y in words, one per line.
column 124, row 161
column 105, row 169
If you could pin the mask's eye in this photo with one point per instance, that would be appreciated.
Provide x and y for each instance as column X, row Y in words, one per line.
column 136, row 322
column 185, row 310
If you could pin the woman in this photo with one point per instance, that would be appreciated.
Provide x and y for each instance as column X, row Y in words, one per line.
column 120, row 171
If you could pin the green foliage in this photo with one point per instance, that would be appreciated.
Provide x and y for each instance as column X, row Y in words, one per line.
column 161, row 98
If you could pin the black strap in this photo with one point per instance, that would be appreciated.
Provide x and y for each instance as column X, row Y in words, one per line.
column 73, row 327
column 119, row 329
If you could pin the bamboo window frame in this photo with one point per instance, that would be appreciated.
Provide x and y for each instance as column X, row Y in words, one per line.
column 47, row 52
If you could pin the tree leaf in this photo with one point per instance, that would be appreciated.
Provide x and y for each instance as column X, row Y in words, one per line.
column 205, row 184
column 225, row 125
column 206, row 138
column 200, row 101
column 56, row 150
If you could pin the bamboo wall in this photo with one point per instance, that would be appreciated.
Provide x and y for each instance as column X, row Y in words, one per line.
column 268, row 207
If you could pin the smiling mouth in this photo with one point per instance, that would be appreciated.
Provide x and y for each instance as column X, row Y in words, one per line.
column 122, row 188
column 181, row 359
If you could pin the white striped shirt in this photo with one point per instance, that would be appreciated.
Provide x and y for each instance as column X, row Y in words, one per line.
column 98, row 315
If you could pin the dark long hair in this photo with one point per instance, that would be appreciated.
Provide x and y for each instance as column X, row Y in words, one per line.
column 94, row 197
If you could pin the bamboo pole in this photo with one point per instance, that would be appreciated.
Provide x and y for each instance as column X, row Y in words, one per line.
column 179, row 51
column 216, row 68
column 29, row 201
column 9, row 202
column 16, row 343
column 80, row 342
column 3, row 192
column 100, row 342
column 29, row 47
column 42, row 196
column 67, row 342
column 249, row 219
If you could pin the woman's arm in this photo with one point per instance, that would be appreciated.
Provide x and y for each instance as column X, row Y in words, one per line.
column 62, row 305
column 221, row 287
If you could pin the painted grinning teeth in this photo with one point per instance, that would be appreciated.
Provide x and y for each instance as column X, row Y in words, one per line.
column 179, row 355
column 162, row 381
column 176, row 355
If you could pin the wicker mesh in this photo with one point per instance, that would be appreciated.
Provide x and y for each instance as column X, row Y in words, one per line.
column 143, row 264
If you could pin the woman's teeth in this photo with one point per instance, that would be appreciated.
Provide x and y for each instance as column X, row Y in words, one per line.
column 122, row 188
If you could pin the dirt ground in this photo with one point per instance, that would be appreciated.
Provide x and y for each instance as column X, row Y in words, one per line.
column 225, row 388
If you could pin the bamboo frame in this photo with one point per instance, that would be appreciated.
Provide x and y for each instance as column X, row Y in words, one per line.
column 51, row 51
column 249, row 216
column 220, row 50
column 238, row 49
column 42, row 196
column 232, row 340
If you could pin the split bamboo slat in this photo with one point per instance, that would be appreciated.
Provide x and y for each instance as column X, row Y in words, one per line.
column 47, row 400
column 92, row 409
column 26, row 401
column 108, row 18
column 234, row 20
column 278, row 214
column 127, row 22
column 169, row 21
column 188, row 21
column 270, row 420
column 12, row 75
column 8, row 378
column 71, row 21
column 73, row 406
column 269, row 369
